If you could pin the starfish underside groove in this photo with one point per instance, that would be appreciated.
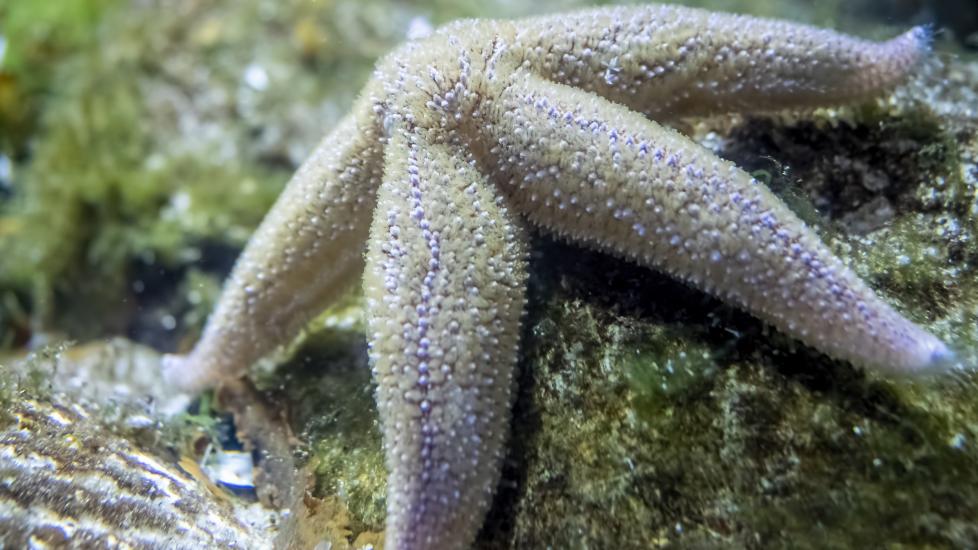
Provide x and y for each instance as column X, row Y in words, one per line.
column 463, row 137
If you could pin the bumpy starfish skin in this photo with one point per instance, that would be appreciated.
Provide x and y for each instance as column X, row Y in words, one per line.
column 445, row 284
column 636, row 189
column 306, row 252
column 462, row 135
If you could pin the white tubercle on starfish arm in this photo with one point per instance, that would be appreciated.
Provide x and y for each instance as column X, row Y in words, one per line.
column 672, row 61
column 307, row 250
column 444, row 283
column 597, row 173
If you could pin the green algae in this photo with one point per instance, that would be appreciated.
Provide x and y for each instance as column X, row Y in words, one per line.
column 33, row 34
column 93, row 209
column 332, row 409
column 96, row 204
column 769, row 444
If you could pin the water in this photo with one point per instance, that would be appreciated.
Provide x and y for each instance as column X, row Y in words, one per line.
column 141, row 144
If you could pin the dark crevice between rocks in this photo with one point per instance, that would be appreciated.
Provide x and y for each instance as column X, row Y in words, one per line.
column 859, row 174
column 872, row 171
column 157, row 290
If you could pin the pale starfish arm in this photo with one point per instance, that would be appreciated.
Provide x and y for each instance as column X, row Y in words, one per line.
column 672, row 61
column 308, row 249
column 444, row 282
column 599, row 174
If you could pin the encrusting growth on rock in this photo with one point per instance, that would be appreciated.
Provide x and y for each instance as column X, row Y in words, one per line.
column 462, row 136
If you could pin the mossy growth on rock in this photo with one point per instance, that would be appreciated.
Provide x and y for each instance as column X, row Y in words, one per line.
column 327, row 392
column 649, row 415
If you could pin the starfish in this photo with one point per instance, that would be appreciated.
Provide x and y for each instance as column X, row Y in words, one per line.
column 463, row 139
